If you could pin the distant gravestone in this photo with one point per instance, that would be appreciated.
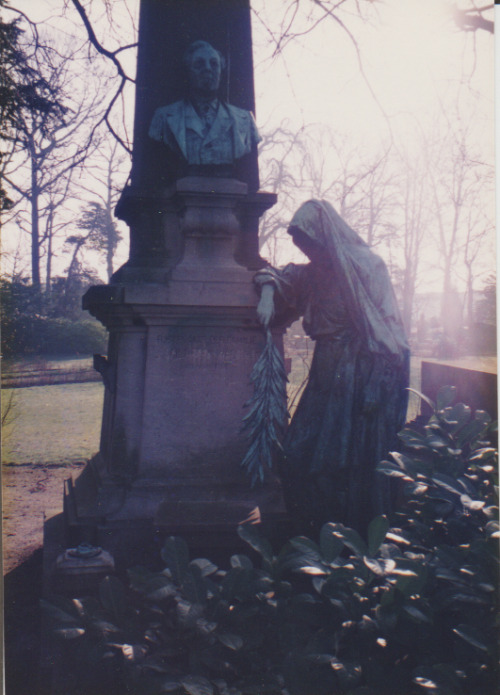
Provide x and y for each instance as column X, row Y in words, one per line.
column 183, row 330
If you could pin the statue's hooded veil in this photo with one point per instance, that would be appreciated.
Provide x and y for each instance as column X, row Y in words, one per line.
column 363, row 276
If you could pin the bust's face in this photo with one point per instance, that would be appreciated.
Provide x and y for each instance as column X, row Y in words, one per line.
column 204, row 70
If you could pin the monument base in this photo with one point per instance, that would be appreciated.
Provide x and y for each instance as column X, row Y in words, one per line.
column 133, row 521
column 177, row 378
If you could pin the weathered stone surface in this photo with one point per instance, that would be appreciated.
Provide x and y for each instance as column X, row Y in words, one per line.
column 166, row 29
column 476, row 388
column 183, row 331
column 177, row 376
column 197, row 219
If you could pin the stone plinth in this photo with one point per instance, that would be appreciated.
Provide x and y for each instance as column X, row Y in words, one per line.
column 198, row 220
column 177, row 376
column 476, row 387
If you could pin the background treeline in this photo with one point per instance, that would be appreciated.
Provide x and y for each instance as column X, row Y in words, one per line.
column 42, row 324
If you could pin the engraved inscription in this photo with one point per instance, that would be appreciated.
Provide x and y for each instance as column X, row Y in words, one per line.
column 202, row 351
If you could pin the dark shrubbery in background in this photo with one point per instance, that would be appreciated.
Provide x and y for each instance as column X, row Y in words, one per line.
column 48, row 325
column 410, row 609
column 42, row 335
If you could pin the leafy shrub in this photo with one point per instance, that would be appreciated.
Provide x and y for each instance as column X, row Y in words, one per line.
column 410, row 609
column 42, row 335
column 35, row 324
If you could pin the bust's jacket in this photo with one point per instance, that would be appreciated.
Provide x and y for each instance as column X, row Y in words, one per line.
column 232, row 125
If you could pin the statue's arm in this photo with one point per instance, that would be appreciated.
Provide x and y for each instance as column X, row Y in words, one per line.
column 265, row 307
column 281, row 293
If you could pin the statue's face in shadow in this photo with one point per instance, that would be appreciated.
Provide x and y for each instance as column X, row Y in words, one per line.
column 308, row 246
column 204, row 71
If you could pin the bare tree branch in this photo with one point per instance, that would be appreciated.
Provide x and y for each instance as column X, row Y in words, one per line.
column 98, row 46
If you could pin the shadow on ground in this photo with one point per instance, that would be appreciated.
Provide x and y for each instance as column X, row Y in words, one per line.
column 22, row 593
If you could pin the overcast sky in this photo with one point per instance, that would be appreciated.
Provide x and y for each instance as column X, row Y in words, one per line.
column 412, row 55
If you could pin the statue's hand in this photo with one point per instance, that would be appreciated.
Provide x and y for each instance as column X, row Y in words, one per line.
column 265, row 307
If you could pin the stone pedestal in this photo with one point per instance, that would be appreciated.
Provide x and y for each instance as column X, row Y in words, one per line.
column 177, row 376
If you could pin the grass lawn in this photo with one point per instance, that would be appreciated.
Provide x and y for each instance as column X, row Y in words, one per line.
column 52, row 424
column 61, row 424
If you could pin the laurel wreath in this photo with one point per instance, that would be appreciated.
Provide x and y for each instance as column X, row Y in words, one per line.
column 266, row 420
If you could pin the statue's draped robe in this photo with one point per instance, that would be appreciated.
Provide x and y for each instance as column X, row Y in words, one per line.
column 355, row 400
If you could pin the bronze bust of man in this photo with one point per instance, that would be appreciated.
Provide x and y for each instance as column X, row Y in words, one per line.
column 205, row 131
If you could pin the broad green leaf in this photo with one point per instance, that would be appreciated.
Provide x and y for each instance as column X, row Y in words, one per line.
column 320, row 658
column 416, row 489
column 426, row 683
column 139, row 577
column 458, row 415
column 193, row 585
column 447, row 483
column 434, row 441
column 205, row 627
column 69, row 632
column 483, row 417
column 113, row 596
column 379, row 567
column 472, row 636
column 493, row 529
column 189, row 613
column 351, row 539
column 234, row 642
column 391, row 469
column 159, row 588
column 445, row 396
column 417, row 614
column 206, row 566
column 250, row 535
column 175, row 554
column 483, row 454
column 377, row 529
column 473, row 505
column 306, row 546
column 242, row 562
column 412, row 438
column 57, row 614
column 169, row 686
column 405, row 462
column 104, row 627
column 396, row 538
column 473, row 429
column 331, row 545
column 404, row 572
column 430, row 403
column 197, row 685
column 315, row 571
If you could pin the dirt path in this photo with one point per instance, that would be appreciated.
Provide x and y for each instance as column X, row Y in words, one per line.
column 31, row 492
column 51, row 431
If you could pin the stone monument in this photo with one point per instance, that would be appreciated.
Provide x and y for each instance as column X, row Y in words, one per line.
column 181, row 313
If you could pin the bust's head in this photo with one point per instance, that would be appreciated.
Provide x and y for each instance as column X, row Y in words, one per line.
column 203, row 65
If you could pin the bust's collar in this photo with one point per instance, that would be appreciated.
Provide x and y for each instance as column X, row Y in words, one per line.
column 200, row 105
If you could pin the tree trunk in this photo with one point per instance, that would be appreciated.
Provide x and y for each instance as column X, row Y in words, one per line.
column 48, row 274
column 110, row 239
column 35, row 226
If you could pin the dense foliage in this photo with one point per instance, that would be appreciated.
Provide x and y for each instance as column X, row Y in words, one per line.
column 411, row 608
column 24, row 91
column 34, row 324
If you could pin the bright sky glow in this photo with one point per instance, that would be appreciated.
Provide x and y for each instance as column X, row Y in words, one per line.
column 412, row 53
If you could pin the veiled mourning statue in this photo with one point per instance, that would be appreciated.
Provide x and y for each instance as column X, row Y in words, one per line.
column 355, row 399
column 206, row 133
